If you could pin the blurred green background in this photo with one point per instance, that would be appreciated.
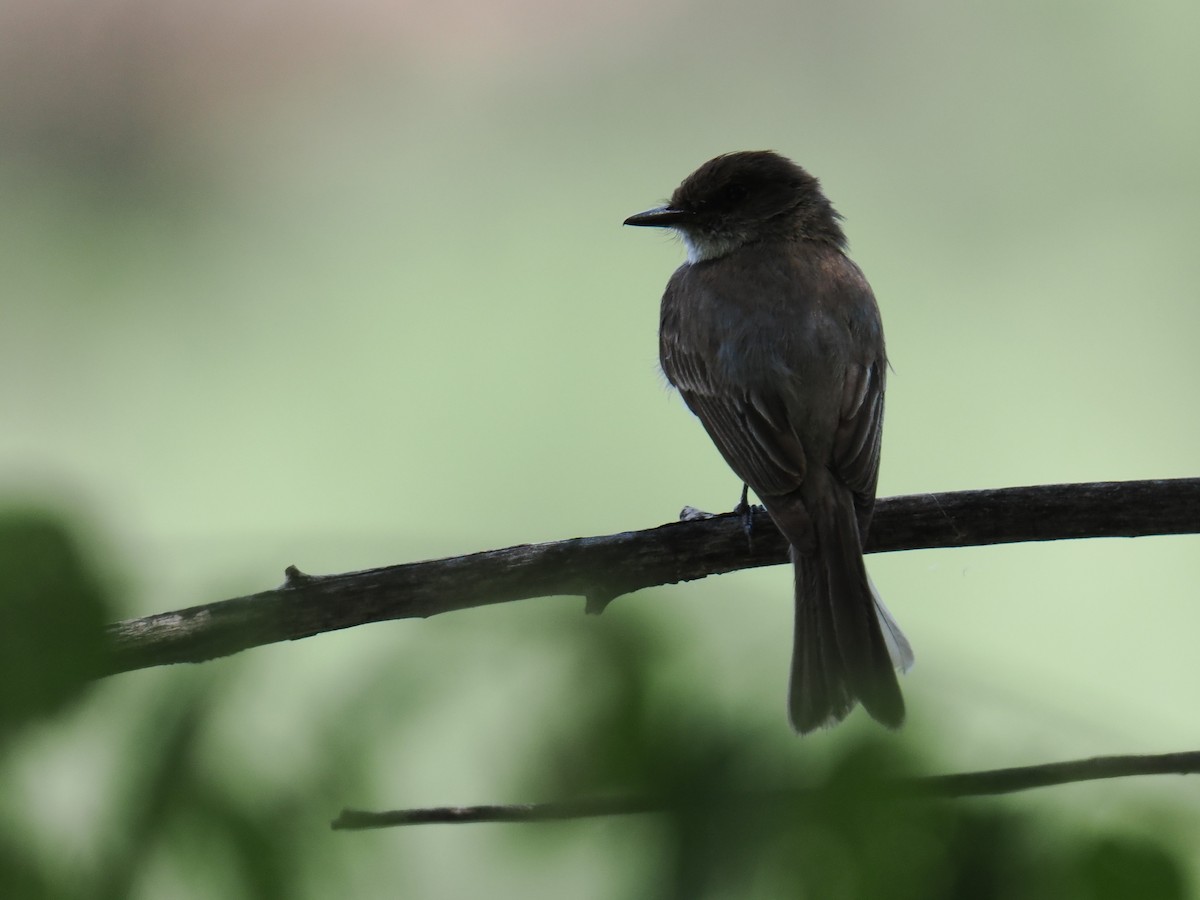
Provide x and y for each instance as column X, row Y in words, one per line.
column 344, row 284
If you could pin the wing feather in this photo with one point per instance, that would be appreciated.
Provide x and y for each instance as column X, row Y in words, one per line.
column 752, row 424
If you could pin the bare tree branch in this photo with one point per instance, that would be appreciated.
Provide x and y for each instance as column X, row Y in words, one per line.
column 966, row 784
column 602, row 568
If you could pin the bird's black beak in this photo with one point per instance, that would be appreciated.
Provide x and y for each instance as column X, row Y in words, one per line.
column 660, row 217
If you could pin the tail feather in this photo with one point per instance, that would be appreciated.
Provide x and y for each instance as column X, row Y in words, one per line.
column 847, row 646
column 817, row 696
column 898, row 646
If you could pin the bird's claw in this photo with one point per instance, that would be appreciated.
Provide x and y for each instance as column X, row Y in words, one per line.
column 746, row 512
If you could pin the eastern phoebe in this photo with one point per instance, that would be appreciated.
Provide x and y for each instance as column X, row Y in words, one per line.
column 772, row 336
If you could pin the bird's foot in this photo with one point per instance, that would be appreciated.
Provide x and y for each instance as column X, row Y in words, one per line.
column 746, row 512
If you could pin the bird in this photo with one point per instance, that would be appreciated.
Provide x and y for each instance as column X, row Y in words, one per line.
column 773, row 338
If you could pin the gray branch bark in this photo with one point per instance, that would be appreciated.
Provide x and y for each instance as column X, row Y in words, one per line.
column 602, row 568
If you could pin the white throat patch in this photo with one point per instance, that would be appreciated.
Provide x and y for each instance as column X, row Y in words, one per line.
column 700, row 249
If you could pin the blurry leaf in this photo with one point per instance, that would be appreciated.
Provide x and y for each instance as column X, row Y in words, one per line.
column 54, row 611
column 20, row 879
column 741, row 820
column 1116, row 868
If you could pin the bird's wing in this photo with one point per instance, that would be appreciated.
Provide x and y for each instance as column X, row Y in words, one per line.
column 855, row 457
column 751, row 430
column 752, row 427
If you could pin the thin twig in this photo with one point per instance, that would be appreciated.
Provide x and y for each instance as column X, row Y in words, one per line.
column 965, row 784
column 1023, row 778
column 602, row 568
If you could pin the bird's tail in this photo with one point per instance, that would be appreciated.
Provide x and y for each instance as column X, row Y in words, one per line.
column 847, row 646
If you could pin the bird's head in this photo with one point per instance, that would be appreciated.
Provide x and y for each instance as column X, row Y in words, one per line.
column 742, row 197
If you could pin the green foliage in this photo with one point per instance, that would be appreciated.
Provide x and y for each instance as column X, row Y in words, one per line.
column 54, row 610
column 741, row 816
column 741, row 821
